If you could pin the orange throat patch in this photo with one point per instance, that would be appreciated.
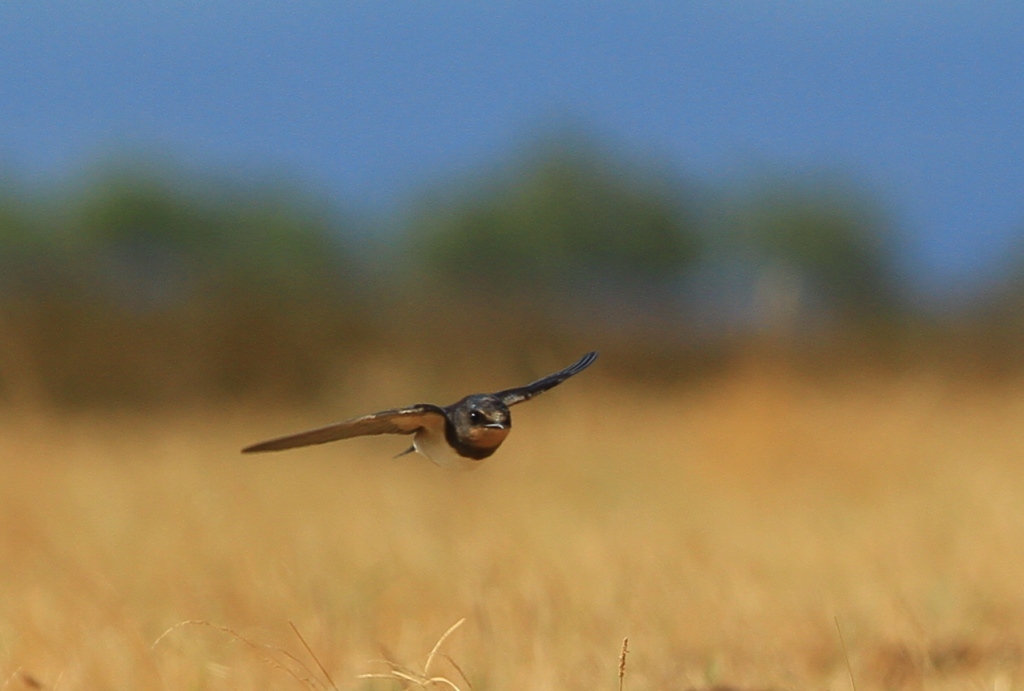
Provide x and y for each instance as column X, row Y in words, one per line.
column 487, row 437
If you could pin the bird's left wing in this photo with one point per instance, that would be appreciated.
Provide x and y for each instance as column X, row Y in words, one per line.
column 397, row 421
column 525, row 393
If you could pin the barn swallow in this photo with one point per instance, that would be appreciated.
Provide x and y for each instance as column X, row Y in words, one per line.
column 456, row 436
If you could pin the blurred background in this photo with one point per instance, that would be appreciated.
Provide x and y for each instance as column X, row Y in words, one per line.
column 793, row 229
column 236, row 201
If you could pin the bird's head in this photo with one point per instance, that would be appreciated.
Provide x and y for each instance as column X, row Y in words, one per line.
column 481, row 420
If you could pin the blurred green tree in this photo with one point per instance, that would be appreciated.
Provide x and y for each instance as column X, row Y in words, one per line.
column 146, row 283
column 149, row 226
column 26, row 247
column 821, row 243
column 564, row 214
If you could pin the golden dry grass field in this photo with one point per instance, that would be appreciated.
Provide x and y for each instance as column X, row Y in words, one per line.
column 724, row 529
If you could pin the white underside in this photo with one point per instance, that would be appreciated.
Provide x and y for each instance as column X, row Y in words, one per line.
column 432, row 444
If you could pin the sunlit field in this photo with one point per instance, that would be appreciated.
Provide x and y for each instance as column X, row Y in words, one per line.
column 759, row 530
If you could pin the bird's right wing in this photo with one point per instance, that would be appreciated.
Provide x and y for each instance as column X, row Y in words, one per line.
column 398, row 421
column 525, row 393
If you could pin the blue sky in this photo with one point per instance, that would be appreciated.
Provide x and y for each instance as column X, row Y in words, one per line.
column 920, row 102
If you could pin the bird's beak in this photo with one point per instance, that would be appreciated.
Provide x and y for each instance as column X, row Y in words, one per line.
column 495, row 425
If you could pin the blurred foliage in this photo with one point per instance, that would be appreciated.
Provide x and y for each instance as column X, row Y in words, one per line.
column 141, row 283
column 207, row 235
column 832, row 237
column 563, row 215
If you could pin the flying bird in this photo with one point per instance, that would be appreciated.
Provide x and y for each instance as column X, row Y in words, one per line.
column 456, row 436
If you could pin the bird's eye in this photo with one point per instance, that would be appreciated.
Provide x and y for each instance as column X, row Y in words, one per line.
column 476, row 417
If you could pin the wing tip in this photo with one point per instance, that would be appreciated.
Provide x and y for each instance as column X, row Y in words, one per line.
column 279, row 444
column 585, row 361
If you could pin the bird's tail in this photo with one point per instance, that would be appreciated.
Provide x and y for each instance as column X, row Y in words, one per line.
column 411, row 449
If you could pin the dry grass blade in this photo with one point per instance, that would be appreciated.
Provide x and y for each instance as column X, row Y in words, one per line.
column 842, row 643
column 397, row 670
column 416, row 680
column 440, row 642
column 389, row 662
column 7, row 682
column 309, row 680
column 316, row 659
column 622, row 662
column 458, row 669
